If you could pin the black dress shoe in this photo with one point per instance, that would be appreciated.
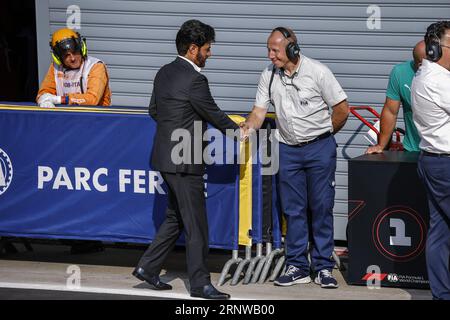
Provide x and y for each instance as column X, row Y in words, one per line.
column 154, row 281
column 209, row 292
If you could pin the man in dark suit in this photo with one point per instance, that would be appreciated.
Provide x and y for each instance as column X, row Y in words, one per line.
column 181, row 100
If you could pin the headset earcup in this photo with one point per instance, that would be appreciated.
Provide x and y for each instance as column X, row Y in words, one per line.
column 296, row 49
column 56, row 59
column 54, row 56
column 289, row 51
column 292, row 51
column 83, row 48
column 434, row 51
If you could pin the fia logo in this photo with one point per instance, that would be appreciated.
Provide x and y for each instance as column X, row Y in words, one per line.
column 6, row 171
column 392, row 277
column 304, row 102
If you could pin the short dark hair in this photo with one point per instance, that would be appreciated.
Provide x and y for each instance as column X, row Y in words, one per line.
column 436, row 30
column 193, row 32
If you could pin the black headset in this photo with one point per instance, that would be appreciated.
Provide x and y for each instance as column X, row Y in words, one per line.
column 292, row 49
column 433, row 43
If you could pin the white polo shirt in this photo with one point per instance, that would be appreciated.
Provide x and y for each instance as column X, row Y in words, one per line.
column 302, row 101
column 430, row 99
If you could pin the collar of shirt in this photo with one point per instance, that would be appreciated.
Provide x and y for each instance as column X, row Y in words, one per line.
column 196, row 67
column 283, row 71
column 434, row 66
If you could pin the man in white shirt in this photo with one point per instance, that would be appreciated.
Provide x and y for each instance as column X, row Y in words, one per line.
column 430, row 93
column 311, row 107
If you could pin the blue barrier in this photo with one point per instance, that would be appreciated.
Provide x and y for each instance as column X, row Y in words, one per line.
column 83, row 173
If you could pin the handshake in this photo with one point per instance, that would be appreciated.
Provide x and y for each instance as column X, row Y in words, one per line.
column 246, row 130
column 48, row 100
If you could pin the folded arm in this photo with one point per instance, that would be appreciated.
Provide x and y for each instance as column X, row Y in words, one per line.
column 98, row 80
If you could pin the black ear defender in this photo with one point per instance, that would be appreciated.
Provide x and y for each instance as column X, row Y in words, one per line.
column 433, row 43
column 292, row 49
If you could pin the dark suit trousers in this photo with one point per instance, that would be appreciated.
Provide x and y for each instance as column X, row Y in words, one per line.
column 186, row 211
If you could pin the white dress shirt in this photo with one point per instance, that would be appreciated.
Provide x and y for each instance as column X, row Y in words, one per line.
column 196, row 67
column 430, row 98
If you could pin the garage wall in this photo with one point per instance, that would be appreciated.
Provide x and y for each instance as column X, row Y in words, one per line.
column 135, row 38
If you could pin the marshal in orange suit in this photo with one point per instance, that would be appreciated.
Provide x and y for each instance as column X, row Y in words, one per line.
column 73, row 78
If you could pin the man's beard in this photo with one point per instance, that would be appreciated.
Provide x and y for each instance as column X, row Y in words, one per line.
column 201, row 60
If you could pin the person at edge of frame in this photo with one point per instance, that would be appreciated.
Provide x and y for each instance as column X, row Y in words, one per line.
column 430, row 97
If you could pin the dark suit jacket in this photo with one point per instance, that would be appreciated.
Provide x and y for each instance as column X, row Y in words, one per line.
column 181, row 96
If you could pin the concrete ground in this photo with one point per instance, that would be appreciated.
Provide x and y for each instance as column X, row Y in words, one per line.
column 48, row 272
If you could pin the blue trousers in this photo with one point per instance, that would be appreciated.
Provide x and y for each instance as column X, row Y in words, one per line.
column 306, row 177
column 435, row 174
